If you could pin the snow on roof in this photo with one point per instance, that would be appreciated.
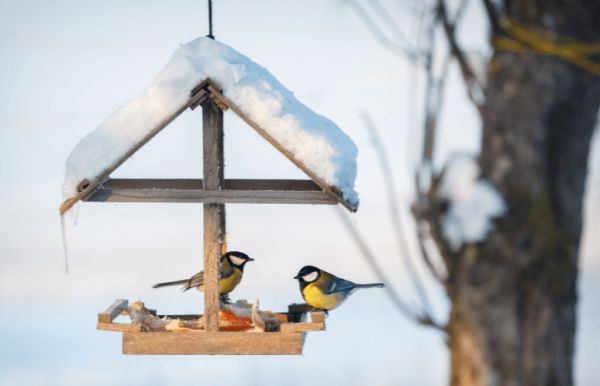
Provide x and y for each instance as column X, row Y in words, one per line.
column 313, row 139
column 473, row 202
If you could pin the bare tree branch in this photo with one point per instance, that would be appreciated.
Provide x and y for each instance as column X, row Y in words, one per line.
column 434, row 94
column 403, row 307
column 426, row 241
column 395, row 213
column 430, row 112
column 493, row 16
column 380, row 36
column 425, row 210
column 392, row 25
column 474, row 89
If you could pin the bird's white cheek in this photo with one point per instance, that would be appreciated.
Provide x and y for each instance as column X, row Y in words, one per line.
column 310, row 277
column 236, row 260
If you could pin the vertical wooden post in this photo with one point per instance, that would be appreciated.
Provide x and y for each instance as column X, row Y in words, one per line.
column 214, row 214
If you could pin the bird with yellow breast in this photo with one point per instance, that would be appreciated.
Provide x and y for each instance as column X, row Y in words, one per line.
column 230, row 274
column 324, row 291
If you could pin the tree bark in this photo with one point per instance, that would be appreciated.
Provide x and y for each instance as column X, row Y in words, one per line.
column 514, row 295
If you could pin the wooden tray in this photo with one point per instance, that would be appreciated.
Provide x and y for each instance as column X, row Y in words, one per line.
column 289, row 340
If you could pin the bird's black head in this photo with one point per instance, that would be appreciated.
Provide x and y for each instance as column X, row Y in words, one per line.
column 308, row 274
column 237, row 259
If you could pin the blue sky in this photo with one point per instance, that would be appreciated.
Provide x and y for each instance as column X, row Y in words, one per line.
column 66, row 65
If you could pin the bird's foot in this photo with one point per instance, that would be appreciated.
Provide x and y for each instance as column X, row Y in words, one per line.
column 224, row 299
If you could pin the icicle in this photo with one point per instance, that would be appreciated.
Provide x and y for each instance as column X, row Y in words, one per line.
column 75, row 214
column 63, row 227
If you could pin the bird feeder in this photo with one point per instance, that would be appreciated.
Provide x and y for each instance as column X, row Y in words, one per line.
column 214, row 192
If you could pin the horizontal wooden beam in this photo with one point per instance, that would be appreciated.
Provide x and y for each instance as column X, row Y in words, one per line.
column 212, row 196
column 191, row 191
column 317, row 323
column 223, row 343
column 197, row 184
column 118, row 327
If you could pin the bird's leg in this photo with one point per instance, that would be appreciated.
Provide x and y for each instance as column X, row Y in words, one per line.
column 224, row 298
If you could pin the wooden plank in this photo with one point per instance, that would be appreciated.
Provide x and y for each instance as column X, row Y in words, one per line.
column 113, row 311
column 214, row 214
column 302, row 327
column 262, row 191
column 297, row 319
column 118, row 327
column 270, row 184
column 197, row 184
column 330, row 190
column 199, row 96
column 212, row 197
column 317, row 317
column 194, row 97
column 212, row 343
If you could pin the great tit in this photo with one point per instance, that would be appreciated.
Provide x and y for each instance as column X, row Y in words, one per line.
column 325, row 291
column 230, row 275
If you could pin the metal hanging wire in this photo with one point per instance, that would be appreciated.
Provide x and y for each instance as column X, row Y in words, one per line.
column 210, row 24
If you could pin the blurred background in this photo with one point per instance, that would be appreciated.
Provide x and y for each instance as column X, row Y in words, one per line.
column 65, row 66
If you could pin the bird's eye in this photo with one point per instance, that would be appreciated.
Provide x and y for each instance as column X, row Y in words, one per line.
column 310, row 276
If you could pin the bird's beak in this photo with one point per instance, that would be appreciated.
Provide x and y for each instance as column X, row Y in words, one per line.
column 296, row 277
column 250, row 259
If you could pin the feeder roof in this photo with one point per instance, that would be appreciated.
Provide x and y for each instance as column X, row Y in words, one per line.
column 314, row 143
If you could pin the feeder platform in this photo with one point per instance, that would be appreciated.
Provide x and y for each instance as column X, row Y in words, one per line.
column 236, row 336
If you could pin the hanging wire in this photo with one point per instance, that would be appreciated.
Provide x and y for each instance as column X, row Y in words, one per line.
column 210, row 28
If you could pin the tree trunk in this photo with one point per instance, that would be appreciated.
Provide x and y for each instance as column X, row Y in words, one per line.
column 514, row 295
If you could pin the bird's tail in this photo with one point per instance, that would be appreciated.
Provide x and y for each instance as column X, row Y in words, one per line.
column 371, row 285
column 170, row 283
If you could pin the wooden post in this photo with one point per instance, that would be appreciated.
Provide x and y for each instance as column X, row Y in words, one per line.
column 214, row 214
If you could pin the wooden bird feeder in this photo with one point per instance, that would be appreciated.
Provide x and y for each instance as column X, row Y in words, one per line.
column 213, row 191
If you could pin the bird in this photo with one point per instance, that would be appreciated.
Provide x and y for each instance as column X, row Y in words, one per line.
column 230, row 274
column 324, row 291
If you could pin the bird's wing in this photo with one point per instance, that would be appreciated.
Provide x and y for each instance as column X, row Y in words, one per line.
column 225, row 270
column 339, row 285
column 195, row 281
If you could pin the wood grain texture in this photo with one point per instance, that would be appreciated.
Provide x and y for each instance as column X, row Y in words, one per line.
column 214, row 214
column 113, row 311
column 198, row 184
column 261, row 191
column 299, row 324
column 317, row 317
column 118, row 327
column 302, row 327
column 212, row 197
column 212, row 343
